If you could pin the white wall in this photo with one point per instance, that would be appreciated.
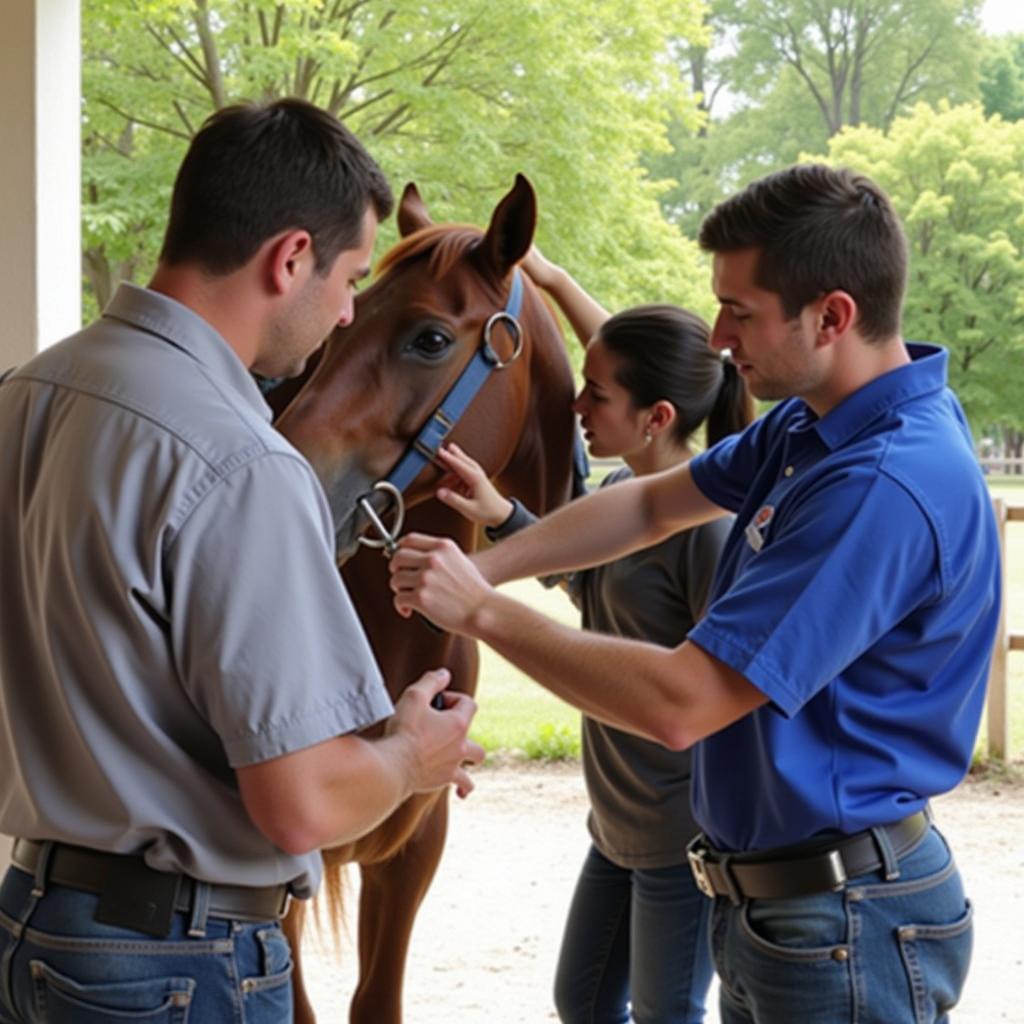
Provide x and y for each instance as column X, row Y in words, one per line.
column 40, row 181
column 40, row 176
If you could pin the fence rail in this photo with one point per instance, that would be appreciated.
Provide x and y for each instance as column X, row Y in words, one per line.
column 1001, row 464
column 998, row 712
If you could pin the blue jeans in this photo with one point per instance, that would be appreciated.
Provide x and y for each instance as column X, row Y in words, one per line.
column 877, row 952
column 635, row 939
column 58, row 966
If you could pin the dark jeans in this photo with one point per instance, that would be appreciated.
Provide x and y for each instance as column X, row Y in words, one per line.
column 58, row 966
column 635, row 940
column 877, row 952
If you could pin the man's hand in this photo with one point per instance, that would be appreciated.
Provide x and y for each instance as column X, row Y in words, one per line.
column 435, row 741
column 432, row 576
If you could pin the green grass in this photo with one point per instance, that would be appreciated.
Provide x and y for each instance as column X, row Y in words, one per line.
column 518, row 717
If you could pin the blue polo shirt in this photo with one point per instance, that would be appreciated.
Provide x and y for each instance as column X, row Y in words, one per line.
column 859, row 591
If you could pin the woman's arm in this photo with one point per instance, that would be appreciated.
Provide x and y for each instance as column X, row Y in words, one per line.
column 583, row 312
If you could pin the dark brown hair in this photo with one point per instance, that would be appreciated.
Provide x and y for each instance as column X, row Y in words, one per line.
column 255, row 170
column 819, row 229
column 664, row 355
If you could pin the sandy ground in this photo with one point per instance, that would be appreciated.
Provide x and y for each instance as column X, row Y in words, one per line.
column 488, row 932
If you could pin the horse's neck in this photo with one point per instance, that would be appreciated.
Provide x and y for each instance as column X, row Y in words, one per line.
column 539, row 472
column 406, row 648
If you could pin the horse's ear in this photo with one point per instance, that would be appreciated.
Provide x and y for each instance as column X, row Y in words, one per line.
column 412, row 211
column 510, row 233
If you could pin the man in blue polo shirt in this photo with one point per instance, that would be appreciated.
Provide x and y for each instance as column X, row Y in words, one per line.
column 837, row 679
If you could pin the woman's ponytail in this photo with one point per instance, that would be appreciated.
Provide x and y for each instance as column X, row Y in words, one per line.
column 734, row 407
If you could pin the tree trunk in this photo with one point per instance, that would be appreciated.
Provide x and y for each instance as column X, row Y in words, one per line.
column 1013, row 445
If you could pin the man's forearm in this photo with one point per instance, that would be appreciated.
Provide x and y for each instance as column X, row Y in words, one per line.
column 670, row 696
column 605, row 525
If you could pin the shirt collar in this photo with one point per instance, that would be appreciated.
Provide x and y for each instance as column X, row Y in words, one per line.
column 925, row 373
column 173, row 322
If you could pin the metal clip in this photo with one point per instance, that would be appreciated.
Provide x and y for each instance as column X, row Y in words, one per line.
column 387, row 538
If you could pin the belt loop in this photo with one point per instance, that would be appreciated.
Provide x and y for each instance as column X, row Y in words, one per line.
column 200, row 909
column 890, row 864
column 732, row 889
column 42, row 869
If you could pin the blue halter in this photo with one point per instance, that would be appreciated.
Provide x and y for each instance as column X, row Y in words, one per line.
column 432, row 435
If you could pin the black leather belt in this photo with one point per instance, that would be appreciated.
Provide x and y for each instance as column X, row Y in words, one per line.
column 801, row 870
column 95, row 871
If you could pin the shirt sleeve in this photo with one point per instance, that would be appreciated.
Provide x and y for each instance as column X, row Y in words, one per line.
column 725, row 471
column 846, row 563
column 267, row 642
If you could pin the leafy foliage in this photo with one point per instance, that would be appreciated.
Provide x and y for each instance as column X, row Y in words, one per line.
column 957, row 180
column 797, row 71
column 1002, row 78
column 457, row 96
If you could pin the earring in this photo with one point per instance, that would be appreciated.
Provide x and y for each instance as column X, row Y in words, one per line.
column 647, row 437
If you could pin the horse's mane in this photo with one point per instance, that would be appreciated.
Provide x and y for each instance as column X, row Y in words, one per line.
column 446, row 243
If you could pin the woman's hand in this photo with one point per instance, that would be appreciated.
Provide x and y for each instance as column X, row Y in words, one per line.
column 466, row 489
column 544, row 273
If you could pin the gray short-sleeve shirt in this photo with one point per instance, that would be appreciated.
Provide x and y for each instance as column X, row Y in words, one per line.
column 169, row 605
column 640, row 815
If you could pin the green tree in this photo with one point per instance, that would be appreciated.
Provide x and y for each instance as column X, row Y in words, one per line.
column 859, row 61
column 797, row 71
column 957, row 180
column 457, row 96
column 1002, row 78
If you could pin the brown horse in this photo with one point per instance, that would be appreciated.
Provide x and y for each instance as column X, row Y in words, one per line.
column 376, row 383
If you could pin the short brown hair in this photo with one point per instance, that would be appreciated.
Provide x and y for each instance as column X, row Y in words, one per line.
column 819, row 229
column 254, row 170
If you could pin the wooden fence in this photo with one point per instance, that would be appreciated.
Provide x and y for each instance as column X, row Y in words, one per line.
column 998, row 711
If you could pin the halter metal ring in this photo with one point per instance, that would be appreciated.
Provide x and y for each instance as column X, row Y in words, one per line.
column 517, row 338
column 389, row 536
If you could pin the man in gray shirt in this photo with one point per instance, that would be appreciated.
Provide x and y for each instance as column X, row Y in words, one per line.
column 182, row 674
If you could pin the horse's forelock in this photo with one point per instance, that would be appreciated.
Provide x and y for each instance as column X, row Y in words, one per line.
column 445, row 243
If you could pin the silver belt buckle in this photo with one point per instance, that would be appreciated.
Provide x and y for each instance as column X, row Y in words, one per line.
column 695, row 855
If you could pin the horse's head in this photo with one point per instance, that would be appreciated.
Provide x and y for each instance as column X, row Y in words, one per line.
column 415, row 331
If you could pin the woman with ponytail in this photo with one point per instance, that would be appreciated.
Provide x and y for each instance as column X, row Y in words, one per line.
column 635, row 945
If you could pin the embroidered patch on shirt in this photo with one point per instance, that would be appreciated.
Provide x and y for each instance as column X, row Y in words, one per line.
column 758, row 525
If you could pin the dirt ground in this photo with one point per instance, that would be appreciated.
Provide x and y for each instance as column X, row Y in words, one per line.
column 487, row 936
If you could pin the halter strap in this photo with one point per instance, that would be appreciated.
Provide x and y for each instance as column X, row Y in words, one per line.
column 432, row 435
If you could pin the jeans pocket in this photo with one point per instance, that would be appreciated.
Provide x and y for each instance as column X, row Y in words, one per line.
column 62, row 1000
column 785, row 960
column 803, row 929
column 936, row 958
column 268, row 995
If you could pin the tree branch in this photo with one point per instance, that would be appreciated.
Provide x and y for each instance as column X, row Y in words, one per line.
column 141, row 121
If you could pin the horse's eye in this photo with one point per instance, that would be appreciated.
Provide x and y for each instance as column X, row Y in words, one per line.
column 431, row 344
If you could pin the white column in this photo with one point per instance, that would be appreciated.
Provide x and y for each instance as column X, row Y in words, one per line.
column 40, row 175
column 40, row 182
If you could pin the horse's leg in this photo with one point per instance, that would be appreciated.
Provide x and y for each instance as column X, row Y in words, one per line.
column 389, row 898
column 292, row 927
